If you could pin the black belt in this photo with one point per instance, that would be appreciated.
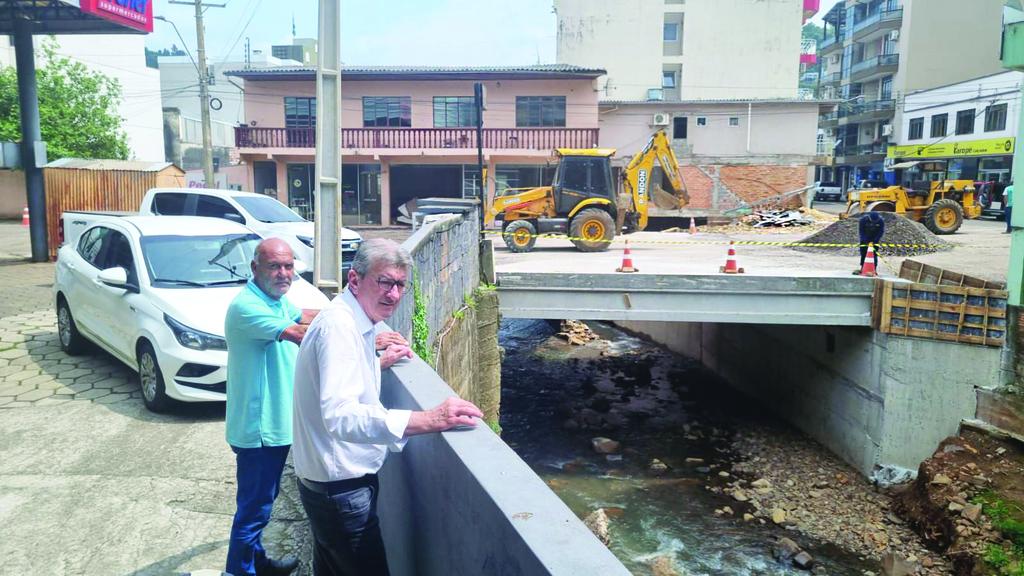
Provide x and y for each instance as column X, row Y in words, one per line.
column 339, row 486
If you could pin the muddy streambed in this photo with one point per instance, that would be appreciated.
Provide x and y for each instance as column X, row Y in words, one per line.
column 557, row 397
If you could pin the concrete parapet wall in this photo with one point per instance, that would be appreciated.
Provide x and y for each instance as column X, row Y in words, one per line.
column 463, row 502
column 873, row 399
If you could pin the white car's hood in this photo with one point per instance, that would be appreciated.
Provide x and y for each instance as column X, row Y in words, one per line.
column 205, row 308
column 303, row 229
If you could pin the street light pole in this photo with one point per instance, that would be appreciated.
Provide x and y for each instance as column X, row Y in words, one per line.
column 204, row 89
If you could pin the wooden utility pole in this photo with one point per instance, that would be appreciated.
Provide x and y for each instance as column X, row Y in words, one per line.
column 204, row 89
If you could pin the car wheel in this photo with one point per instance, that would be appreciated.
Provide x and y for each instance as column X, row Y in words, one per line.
column 71, row 342
column 151, row 380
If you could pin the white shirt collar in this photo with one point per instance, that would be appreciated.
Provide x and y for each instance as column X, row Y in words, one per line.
column 363, row 322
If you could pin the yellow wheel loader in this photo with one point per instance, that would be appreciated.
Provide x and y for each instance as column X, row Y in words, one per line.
column 941, row 205
column 581, row 201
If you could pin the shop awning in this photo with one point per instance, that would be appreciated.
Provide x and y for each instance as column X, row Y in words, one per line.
column 905, row 165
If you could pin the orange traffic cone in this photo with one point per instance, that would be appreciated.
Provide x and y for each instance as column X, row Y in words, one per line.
column 730, row 262
column 869, row 262
column 693, row 226
column 24, row 216
column 627, row 261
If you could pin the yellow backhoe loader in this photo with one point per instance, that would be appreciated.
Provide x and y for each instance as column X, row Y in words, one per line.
column 581, row 201
column 940, row 204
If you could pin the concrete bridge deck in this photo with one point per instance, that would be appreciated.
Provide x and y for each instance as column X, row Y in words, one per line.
column 824, row 299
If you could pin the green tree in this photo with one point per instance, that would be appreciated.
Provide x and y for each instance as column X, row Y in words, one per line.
column 812, row 31
column 77, row 109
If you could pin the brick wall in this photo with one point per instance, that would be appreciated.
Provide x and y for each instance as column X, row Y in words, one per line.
column 720, row 187
column 699, row 185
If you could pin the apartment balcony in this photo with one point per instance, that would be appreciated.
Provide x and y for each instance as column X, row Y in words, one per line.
column 829, row 45
column 811, row 8
column 827, row 121
column 861, row 154
column 874, row 68
column 876, row 25
column 454, row 140
column 833, row 78
column 866, row 112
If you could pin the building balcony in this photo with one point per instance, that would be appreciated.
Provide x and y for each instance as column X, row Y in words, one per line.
column 874, row 68
column 827, row 121
column 874, row 25
column 861, row 154
column 829, row 44
column 867, row 111
column 811, row 8
column 833, row 78
column 255, row 139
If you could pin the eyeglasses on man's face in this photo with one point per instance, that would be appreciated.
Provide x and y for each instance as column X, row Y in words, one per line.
column 386, row 284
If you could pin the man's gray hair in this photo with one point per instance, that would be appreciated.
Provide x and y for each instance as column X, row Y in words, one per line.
column 380, row 251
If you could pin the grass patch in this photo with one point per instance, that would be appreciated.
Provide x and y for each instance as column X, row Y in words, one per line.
column 495, row 427
column 1004, row 518
column 420, row 326
column 995, row 556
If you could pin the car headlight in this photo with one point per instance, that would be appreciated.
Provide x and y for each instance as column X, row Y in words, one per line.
column 195, row 339
column 307, row 240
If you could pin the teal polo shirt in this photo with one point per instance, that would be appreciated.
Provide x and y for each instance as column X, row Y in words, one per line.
column 261, row 369
column 1009, row 196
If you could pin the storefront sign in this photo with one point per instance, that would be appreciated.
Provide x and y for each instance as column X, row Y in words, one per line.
column 993, row 147
column 137, row 14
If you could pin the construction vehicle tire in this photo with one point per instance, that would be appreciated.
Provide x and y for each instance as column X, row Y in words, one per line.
column 944, row 217
column 520, row 236
column 881, row 206
column 592, row 230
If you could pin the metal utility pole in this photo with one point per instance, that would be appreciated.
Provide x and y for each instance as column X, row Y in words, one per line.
column 31, row 138
column 478, row 96
column 204, row 88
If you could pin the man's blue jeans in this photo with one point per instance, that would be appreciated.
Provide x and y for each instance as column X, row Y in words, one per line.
column 346, row 530
column 259, row 481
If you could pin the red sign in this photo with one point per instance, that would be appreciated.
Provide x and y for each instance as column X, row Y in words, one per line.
column 137, row 14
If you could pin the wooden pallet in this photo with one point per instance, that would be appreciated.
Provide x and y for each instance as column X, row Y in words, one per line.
column 925, row 274
column 940, row 312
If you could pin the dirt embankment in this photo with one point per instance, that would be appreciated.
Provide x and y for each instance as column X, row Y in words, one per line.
column 967, row 504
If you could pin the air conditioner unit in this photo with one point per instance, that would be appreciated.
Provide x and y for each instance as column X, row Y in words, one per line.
column 655, row 94
column 894, row 35
column 887, row 130
column 833, row 59
column 661, row 119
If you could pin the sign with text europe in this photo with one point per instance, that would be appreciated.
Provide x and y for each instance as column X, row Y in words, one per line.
column 137, row 14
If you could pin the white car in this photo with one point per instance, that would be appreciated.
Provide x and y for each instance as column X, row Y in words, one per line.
column 263, row 214
column 154, row 291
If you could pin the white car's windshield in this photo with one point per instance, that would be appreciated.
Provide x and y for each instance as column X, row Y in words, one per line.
column 267, row 209
column 199, row 260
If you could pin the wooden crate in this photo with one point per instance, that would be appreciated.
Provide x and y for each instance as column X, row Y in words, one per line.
column 925, row 274
column 951, row 313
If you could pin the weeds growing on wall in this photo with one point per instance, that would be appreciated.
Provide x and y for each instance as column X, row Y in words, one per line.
column 420, row 326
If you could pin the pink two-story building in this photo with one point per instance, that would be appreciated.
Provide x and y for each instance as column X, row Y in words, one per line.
column 409, row 132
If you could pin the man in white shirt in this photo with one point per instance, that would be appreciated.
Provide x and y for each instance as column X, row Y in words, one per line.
column 342, row 432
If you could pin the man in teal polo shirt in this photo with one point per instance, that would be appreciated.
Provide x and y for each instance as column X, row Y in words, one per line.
column 263, row 330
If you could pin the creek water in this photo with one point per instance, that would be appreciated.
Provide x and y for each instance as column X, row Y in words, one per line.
column 556, row 398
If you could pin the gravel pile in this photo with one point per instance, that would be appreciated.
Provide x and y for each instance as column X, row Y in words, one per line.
column 898, row 230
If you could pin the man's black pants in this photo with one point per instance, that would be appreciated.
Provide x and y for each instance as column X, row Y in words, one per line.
column 346, row 530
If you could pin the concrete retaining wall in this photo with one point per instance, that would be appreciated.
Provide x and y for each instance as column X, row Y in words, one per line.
column 873, row 399
column 463, row 502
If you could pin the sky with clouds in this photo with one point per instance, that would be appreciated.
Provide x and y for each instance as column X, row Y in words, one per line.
column 406, row 32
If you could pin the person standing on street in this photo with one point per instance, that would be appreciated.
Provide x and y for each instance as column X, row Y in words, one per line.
column 342, row 431
column 871, row 228
column 1008, row 206
column 262, row 329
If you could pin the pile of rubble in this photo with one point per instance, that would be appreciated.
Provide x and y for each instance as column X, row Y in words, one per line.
column 576, row 333
column 781, row 219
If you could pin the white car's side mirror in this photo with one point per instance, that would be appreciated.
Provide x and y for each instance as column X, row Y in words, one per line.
column 300, row 267
column 117, row 277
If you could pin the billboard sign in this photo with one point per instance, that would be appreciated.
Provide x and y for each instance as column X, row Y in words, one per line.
column 137, row 14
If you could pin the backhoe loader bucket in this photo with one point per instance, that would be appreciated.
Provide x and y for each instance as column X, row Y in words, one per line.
column 666, row 201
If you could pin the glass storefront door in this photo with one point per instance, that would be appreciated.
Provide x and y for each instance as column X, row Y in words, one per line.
column 300, row 189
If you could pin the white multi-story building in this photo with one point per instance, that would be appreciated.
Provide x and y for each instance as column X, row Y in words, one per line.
column 971, row 124
column 678, row 50
column 876, row 52
column 121, row 57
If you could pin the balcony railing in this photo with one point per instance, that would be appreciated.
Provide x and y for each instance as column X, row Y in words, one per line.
column 862, row 149
column 411, row 138
column 877, row 61
column 880, row 16
column 847, row 110
column 833, row 78
column 828, row 41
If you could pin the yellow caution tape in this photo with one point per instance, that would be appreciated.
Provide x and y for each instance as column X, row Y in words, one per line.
column 739, row 242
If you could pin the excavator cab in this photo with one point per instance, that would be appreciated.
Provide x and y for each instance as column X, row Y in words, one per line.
column 582, row 177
